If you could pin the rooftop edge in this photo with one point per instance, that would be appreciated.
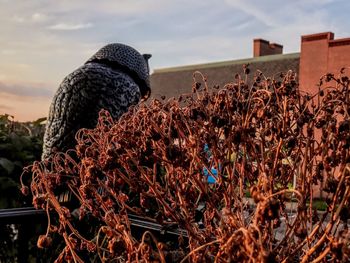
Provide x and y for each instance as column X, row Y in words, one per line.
column 228, row 63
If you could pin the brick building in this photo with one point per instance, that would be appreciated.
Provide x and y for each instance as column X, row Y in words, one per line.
column 319, row 54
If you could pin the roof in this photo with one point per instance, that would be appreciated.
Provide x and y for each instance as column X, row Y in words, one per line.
column 178, row 80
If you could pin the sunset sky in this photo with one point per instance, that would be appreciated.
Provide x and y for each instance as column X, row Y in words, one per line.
column 41, row 41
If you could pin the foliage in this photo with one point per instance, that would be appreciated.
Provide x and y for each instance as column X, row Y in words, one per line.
column 151, row 163
column 20, row 145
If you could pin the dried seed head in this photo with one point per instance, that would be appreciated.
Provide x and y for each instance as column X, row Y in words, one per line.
column 25, row 190
column 44, row 241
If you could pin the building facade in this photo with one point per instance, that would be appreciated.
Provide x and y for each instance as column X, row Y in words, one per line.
column 319, row 54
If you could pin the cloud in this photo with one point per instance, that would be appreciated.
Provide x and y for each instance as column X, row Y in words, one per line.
column 8, row 52
column 120, row 7
column 24, row 108
column 176, row 32
column 18, row 19
column 22, row 90
column 2, row 77
column 285, row 22
column 39, row 17
column 33, row 18
column 70, row 27
column 276, row 13
column 196, row 50
column 5, row 107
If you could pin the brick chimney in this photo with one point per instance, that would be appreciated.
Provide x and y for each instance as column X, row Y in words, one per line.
column 314, row 58
column 263, row 47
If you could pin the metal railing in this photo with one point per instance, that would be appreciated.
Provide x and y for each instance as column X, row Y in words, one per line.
column 27, row 217
column 20, row 215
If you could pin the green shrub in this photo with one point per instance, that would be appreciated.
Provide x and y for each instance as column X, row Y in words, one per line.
column 20, row 145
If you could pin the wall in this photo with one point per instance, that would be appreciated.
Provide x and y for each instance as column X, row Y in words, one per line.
column 321, row 54
column 262, row 47
column 173, row 82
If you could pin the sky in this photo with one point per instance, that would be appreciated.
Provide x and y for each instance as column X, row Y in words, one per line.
column 42, row 41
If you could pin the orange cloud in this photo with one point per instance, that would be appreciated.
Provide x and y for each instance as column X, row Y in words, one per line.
column 24, row 108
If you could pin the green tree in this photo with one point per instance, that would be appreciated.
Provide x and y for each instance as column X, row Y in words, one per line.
column 20, row 145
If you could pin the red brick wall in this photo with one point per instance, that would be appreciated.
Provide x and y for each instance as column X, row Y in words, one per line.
column 339, row 54
column 321, row 54
column 263, row 47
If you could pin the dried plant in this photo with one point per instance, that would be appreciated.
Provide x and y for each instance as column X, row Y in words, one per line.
column 251, row 140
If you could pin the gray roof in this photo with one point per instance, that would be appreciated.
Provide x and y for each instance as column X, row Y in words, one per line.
column 178, row 80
